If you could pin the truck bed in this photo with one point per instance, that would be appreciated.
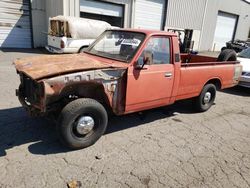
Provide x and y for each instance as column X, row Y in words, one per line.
column 196, row 70
column 190, row 58
column 194, row 60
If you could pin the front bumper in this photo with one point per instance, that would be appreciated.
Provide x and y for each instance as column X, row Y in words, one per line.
column 244, row 81
column 30, row 94
column 33, row 110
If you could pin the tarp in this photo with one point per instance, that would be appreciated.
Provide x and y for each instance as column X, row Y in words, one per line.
column 82, row 28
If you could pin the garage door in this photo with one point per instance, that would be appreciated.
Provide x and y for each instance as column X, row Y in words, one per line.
column 224, row 31
column 109, row 12
column 149, row 14
column 15, row 30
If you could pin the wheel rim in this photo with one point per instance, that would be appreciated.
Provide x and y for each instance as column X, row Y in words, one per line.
column 84, row 125
column 207, row 98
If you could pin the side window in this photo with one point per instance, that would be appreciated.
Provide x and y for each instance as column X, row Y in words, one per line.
column 160, row 49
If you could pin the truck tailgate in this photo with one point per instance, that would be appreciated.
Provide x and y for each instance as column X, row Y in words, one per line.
column 54, row 41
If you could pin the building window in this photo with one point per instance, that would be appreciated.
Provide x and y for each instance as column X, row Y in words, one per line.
column 105, row 11
column 114, row 21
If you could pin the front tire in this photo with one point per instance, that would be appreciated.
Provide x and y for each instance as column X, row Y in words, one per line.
column 206, row 98
column 81, row 123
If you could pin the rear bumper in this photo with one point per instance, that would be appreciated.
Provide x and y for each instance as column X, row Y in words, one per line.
column 52, row 49
column 244, row 81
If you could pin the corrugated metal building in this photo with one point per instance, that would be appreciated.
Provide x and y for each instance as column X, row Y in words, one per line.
column 15, row 24
column 227, row 13
column 211, row 22
column 214, row 21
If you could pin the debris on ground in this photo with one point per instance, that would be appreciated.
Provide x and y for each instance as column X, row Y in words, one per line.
column 98, row 157
column 74, row 184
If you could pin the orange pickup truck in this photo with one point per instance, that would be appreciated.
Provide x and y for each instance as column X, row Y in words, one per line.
column 123, row 71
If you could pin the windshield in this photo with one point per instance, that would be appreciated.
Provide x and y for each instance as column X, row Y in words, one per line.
column 119, row 45
column 245, row 53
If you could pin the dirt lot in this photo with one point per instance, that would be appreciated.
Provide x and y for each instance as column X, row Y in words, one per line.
column 166, row 147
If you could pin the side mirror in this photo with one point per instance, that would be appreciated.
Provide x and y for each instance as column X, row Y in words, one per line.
column 146, row 60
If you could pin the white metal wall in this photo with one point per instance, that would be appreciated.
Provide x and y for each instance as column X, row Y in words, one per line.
column 39, row 23
column 201, row 15
column 15, row 27
column 186, row 14
column 148, row 14
column 238, row 7
column 70, row 7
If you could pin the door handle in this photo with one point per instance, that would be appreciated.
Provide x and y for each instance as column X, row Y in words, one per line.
column 168, row 74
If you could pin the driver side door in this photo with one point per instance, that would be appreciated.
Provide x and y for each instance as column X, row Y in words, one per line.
column 151, row 86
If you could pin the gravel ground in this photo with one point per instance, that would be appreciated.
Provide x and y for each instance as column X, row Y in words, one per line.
column 166, row 147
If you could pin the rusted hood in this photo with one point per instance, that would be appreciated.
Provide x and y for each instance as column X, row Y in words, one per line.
column 51, row 65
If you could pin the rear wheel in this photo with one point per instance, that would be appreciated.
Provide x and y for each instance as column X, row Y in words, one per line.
column 81, row 123
column 206, row 98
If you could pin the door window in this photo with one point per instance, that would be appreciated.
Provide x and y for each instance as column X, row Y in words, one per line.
column 159, row 47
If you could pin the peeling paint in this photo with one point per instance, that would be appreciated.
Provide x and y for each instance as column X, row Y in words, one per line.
column 54, row 89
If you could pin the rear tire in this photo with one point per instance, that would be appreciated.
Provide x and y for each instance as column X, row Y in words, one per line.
column 82, row 49
column 81, row 123
column 227, row 55
column 206, row 98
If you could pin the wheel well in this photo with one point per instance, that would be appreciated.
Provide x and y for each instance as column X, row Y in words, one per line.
column 216, row 82
column 91, row 90
column 86, row 46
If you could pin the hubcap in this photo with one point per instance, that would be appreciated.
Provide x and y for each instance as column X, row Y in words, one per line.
column 207, row 97
column 84, row 125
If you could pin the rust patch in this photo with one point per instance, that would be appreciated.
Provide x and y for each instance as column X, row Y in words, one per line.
column 53, row 65
column 81, row 84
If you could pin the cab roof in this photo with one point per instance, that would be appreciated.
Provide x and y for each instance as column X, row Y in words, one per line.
column 148, row 32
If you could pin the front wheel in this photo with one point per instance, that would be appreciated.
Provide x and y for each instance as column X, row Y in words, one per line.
column 81, row 123
column 206, row 98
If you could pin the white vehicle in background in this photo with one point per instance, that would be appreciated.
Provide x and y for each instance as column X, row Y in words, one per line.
column 244, row 58
column 72, row 35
